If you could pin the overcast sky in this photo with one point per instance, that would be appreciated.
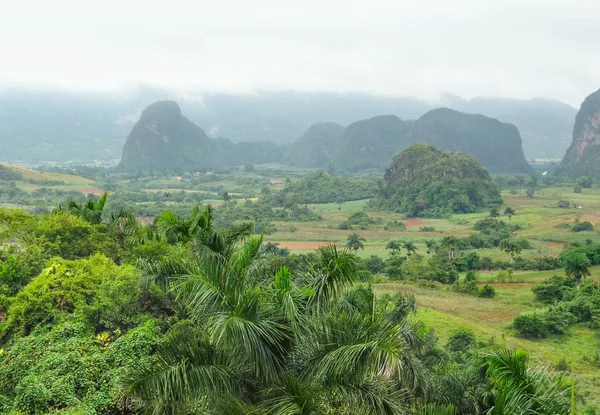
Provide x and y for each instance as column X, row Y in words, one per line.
column 519, row 48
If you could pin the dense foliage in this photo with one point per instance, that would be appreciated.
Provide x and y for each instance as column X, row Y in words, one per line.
column 101, row 314
column 423, row 181
column 323, row 187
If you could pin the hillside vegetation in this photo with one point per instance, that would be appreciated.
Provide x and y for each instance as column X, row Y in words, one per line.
column 424, row 181
column 316, row 147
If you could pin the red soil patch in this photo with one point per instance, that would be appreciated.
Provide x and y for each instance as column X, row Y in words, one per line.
column 302, row 245
column 555, row 244
column 592, row 218
column 411, row 223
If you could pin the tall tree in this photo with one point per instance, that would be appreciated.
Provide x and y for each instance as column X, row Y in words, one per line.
column 451, row 244
column 494, row 212
column 355, row 242
column 409, row 246
column 576, row 265
column 510, row 212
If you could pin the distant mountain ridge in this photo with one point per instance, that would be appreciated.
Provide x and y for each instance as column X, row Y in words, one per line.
column 371, row 143
column 38, row 126
column 164, row 139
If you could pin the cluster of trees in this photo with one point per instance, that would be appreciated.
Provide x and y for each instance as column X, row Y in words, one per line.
column 323, row 187
column 101, row 314
column 570, row 299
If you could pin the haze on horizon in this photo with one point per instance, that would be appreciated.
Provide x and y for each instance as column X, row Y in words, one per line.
column 513, row 48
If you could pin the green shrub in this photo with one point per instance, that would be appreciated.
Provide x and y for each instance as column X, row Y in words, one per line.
column 531, row 324
column 461, row 340
column 102, row 291
column 558, row 319
column 487, row 291
column 553, row 289
column 582, row 226
column 395, row 225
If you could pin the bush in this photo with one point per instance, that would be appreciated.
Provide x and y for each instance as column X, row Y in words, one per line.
column 487, row 291
column 462, row 340
column 577, row 189
column 553, row 289
column 531, row 324
column 427, row 229
column 564, row 204
column 582, row 226
column 395, row 225
column 357, row 219
column 558, row 319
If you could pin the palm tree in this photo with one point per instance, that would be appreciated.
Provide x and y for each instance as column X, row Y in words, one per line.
column 313, row 343
column 409, row 246
column 494, row 213
column 90, row 211
column 510, row 212
column 431, row 245
column 451, row 244
column 576, row 265
column 518, row 389
column 394, row 245
column 355, row 242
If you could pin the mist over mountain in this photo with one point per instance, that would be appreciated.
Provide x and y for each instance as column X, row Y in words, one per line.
column 38, row 126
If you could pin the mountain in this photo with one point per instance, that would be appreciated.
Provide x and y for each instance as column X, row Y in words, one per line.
column 583, row 156
column 163, row 139
column 316, row 147
column 545, row 124
column 39, row 126
column 371, row 143
column 495, row 144
column 249, row 152
column 424, row 181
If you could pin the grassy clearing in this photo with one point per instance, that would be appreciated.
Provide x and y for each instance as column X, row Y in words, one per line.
column 490, row 319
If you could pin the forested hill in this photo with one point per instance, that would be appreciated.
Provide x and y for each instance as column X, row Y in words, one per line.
column 164, row 139
column 424, row 181
column 583, row 156
column 316, row 147
column 495, row 144
column 371, row 143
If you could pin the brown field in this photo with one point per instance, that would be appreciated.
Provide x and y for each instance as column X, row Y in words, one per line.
column 555, row 243
column 411, row 223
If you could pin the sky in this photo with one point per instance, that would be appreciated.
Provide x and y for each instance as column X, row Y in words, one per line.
column 522, row 49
